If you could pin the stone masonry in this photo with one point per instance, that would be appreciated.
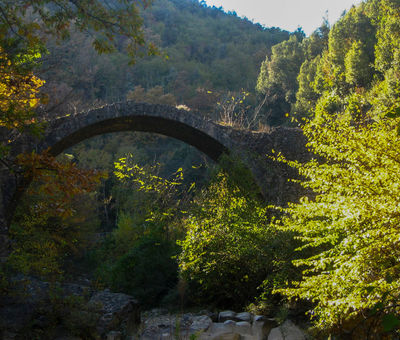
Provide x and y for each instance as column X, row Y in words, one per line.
column 253, row 148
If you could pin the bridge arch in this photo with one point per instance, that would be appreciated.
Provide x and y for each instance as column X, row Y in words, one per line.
column 64, row 132
column 270, row 178
column 208, row 137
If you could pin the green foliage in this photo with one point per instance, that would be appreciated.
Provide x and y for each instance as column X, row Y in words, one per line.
column 232, row 109
column 238, row 175
column 388, row 35
column 357, row 65
column 147, row 271
column 287, row 77
column 349, row 91
column 30, row 22
column 229, row 249
column 138, row 258
column 162, row 201
column 202, row 49
column 351, row 225
column 306, row 95
column 154, row 95
column 71, row 312
column 44, row 244
column 277, row 78
column 54, row 219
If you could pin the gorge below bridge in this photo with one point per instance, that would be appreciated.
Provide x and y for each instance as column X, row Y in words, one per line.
column 253, row 148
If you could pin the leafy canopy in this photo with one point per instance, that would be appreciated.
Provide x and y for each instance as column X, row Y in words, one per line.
column 29, row 22
column 19, row 91
column 352, row 224
column 230, row 250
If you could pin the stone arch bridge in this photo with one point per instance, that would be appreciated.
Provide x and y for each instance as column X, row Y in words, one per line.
column 190, row 127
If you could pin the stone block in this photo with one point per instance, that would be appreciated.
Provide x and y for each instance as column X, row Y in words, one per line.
column 262, row 326
column 200, row 324
column 227, row 315
column 245, row 316
column 243, row 327
column 219, row 328
column 287, row 331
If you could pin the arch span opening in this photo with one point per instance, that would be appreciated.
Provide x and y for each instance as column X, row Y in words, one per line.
column 65, row 132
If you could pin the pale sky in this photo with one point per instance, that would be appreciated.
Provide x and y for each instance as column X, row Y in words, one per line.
column 287, row 14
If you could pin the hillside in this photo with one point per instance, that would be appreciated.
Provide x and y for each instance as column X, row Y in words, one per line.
column 204, row 53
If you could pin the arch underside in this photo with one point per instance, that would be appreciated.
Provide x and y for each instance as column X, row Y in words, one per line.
column 171, row 128
column 67, row 135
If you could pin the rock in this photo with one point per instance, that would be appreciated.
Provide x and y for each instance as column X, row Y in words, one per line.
column 226, row 336
column 166, row 327
column 212, row 315
column 287, row 331
column 227, row 315
column 229, row 322
column 262, row 326
column 158, row 326
column 245, row 316
column 158, row 311
column 243, row 328
column 259, row 318
column 276, row 334
column 114, row 335
column 115, row 308
column 220, row 328
column 76, row 289
column 200, row 324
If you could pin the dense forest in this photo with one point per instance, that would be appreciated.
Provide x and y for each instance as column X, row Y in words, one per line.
column 152, row 217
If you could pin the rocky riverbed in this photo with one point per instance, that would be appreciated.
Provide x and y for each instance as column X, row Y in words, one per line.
column 80, row 313
column 225, row 325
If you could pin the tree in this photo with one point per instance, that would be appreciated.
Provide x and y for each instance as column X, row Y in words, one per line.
column 388, row 36
column 19, row 94
column 154, row 95
column 143, row 246
column 348, row 224
column 44, row 229
column 278, row 78
column 357, row 65
column 306, row 95
column 28, row 22
column 230, row 250
column 351, row 225
column 351, row 45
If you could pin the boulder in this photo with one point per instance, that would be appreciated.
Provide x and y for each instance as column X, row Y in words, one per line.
column 220, row 328
column 227, row 315
column 229, row 322
column 262, row 326
column 287, row 331
column 243, row 328
column 200, row 324
column 259, row 318
column 245, row 316
column 115, row 308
